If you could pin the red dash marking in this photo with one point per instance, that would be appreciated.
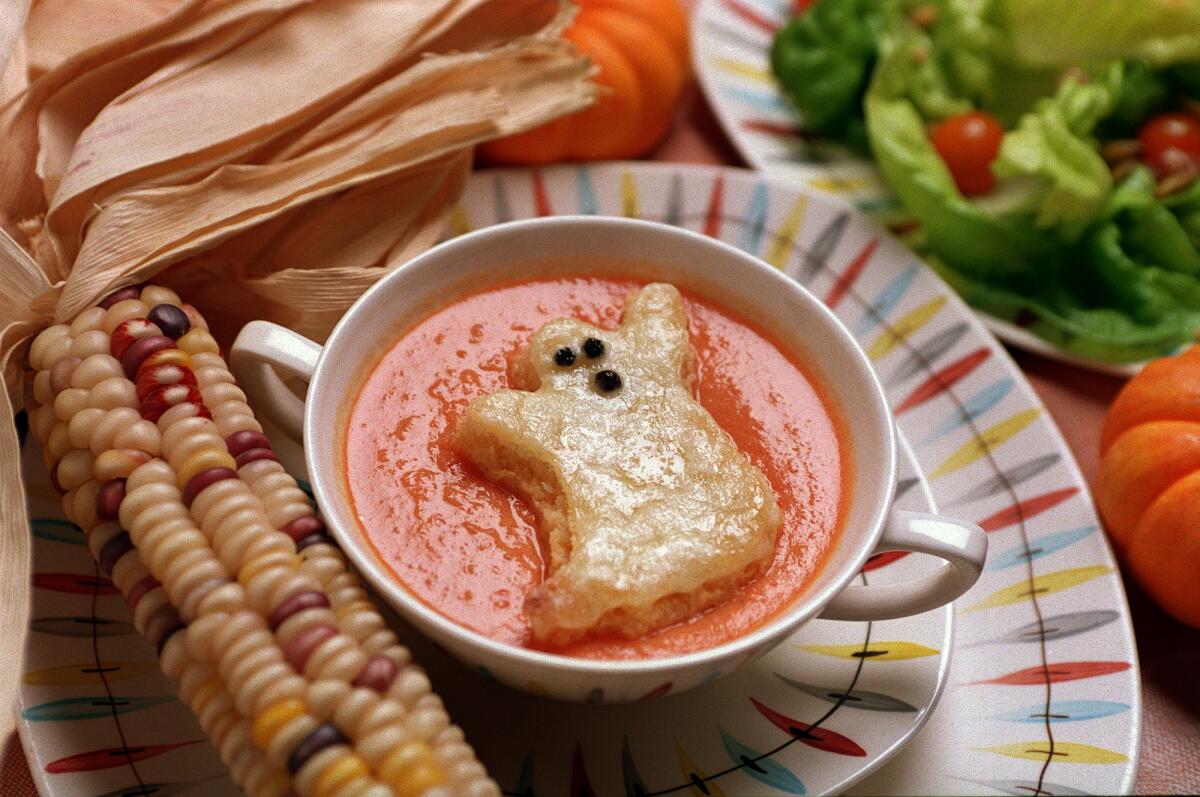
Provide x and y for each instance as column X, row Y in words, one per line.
column 712, row 219
column 1053, row 673
column 943, row 379
column 76, row 584
column 883, row 560
column 1026, row 509
column 820, row 738
column 851, row 274
column 773, row 128
column 657, row 691
column 580, row 785
column 540, row 201
column 111, row 757
column 753, row 17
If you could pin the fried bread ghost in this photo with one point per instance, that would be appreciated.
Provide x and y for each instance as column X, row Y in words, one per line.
column 647, row 510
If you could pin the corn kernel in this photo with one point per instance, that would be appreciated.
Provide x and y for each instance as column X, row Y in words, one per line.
column 255, row 566
column 204, row 693
column 168, row 357
column 203, row 460
column 278, row 786
column 404, row 758
column 421, row 777
column 272, row 720
column 339, row 774
column 157, row 294
column 196, row 341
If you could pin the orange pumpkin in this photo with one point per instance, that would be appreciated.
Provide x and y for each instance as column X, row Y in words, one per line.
column 640, row 49
column 1148, row 489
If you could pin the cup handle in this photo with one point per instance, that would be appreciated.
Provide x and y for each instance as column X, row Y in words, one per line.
column 963, row 546
column 260, row 348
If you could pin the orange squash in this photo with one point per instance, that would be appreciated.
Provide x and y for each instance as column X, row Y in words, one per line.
column 1148, row 489
column 640, row 50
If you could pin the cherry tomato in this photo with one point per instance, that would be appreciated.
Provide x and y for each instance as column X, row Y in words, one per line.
column 968, row 143
column 800, row 6
column 1170, row 143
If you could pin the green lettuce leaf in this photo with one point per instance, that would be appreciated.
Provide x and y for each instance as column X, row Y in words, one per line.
column 911, row 69
column 958, row 63
column 1053, row 145
column 974, row 240
column 1079, row 32
column 1145, row 91
column 1187, row 78
column 823, row 61
column 1104, row 271
column 1185, row 205
column 909, row 88
column 1128, row 290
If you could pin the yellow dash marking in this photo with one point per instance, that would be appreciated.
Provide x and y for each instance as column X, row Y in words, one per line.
column 743, row 69
column 781, row 244
column 87, row 673
column 687, row 766
column 1063, row 752
column 986, row 441
column 459, row 223
column 838, row 185
column 629, row 196
column 1042, row 585
column 910, row 323
column 875, row 651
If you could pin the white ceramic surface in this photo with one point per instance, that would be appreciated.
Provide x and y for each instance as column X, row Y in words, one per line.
column 544, row 247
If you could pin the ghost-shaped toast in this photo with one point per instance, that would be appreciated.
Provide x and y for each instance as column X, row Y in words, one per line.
column 647, row 510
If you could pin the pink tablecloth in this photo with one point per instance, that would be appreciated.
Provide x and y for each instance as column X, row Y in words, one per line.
column 1169, row 652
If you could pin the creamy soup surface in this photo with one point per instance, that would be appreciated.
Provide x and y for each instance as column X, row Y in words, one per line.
column 470, row 550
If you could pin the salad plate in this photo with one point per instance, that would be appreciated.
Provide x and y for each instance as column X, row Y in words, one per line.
column 1041, row 689
column 731, row 42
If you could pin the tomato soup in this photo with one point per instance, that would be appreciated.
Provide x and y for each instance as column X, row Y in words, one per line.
column 470, row 550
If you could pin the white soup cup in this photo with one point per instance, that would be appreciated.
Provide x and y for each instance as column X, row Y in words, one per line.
column 557, row 247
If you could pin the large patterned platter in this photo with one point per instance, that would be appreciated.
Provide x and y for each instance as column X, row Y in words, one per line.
column 1040, row 695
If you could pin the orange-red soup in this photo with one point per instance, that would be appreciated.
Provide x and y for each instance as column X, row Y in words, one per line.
column 470, row 550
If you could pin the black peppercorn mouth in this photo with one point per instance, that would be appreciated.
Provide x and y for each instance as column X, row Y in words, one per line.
column 608, row 381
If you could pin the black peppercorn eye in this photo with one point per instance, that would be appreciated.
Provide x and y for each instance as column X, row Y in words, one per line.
column 608, row 381
column 564, row 357
column 593, row 348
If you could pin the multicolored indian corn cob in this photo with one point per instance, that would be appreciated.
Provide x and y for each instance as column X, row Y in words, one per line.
column 225, row 566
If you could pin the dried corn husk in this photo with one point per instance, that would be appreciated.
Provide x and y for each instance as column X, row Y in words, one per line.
column 268, row 158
